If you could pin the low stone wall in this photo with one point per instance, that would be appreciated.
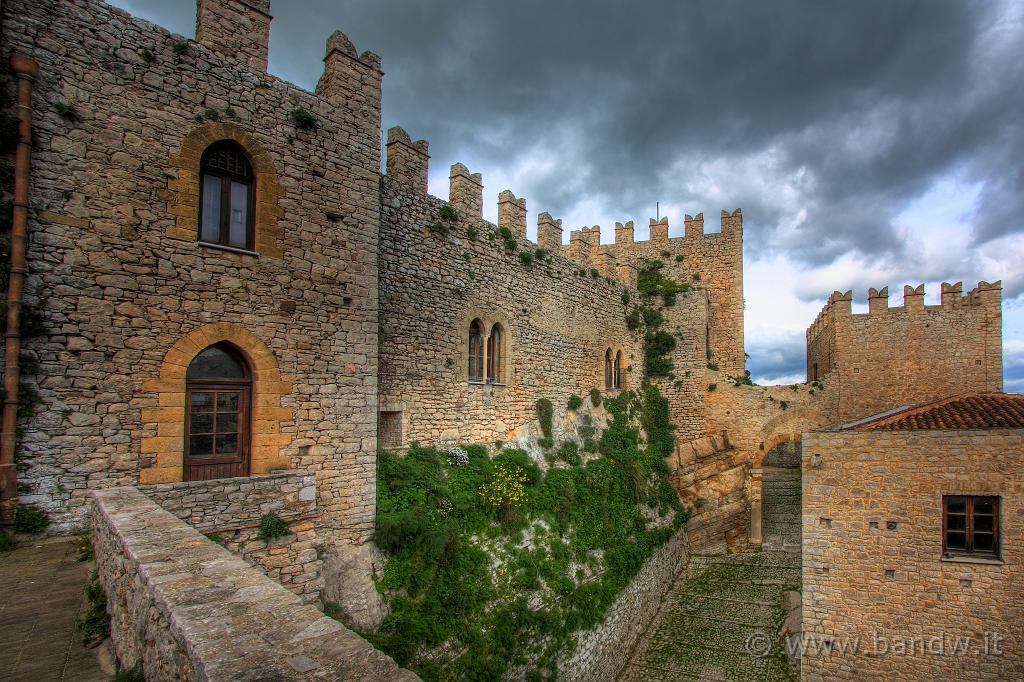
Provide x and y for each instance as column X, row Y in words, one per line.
column 231, row 503
column 601, row 653
column 228, row 511
column 190, row 610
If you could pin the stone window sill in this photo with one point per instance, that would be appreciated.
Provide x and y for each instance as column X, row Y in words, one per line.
column 486, row 383
column 229, row 249
column 967, row 559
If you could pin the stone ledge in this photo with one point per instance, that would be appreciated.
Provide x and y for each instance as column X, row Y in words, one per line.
column 191, row 610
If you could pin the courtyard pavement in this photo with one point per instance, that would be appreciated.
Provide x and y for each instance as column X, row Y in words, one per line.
column 43, row 594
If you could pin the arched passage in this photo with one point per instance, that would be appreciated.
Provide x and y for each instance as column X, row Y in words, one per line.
column 775, row 482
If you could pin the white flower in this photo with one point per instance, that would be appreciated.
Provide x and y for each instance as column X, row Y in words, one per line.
column 457, row 457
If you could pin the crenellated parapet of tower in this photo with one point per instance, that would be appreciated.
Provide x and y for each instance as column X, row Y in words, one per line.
column 917, row 348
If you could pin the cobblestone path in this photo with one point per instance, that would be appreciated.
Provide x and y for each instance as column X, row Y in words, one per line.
column 721, row 619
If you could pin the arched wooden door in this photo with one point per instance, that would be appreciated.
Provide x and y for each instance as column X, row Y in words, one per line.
column 218, row 403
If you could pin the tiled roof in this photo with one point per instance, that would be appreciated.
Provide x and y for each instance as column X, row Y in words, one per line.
column 964, row 411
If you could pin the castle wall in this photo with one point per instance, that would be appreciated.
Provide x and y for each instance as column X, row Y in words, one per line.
column 909, row 354
column 879, row 587
column 713, row 261
column 130, row 296
column 435, row 280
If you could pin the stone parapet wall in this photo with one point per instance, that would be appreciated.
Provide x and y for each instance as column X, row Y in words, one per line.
column 233, row 503
column 229, row 511
column 190, row 610
column 602, row 652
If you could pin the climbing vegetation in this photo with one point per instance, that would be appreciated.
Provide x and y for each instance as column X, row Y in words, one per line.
column 495, row 564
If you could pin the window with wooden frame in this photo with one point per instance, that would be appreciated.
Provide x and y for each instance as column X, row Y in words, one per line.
column 226, row 196
column 476, row 352
column 218, row 399
column 496, row 355
column 970, row 525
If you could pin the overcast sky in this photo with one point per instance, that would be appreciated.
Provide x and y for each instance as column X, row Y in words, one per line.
column 869, row 143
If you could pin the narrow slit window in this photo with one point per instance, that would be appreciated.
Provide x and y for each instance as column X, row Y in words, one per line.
column 476, row 352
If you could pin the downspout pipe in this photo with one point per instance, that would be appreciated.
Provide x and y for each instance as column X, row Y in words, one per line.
column 25, row 70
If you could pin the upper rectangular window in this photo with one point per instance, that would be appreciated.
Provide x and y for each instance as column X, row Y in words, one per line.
column 970, row 525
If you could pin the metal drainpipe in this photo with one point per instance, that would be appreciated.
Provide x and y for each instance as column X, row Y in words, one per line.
column 25, row 69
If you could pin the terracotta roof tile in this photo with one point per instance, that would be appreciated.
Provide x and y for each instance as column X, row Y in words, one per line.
column 964, row 411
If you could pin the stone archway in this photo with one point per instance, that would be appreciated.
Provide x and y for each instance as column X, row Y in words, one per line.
column 162, row 448
column 778, row 464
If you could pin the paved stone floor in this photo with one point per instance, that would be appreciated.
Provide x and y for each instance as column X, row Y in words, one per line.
column 721, row 619
column 43, row 593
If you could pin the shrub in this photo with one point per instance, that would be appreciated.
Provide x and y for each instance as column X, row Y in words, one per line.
column 594, row 273
column 569, row 453
column 303, row 119
column 540, row 254
column 783, row 404
column 633, row 319
column 545, row 415
column 656, row 346
column 665, row 254
column 713, row 366
column 546, row 443
column 712, row 387
column 30, row 519
column 147, row 56
column 595, row 397
column 625, row 297
column 526, row 258
column 272, row 526
column 471, row 233
column 679, row 258
column 448, row 213
column 456, row 456
column 94, row 625
column 180, row 47
column 83, row 543
column 575, row 402
column 652, row 318
column 506, row 490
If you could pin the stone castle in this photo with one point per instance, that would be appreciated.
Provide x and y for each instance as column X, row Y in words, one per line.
column 238, row 308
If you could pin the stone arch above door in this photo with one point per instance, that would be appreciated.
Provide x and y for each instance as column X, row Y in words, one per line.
column 162, row 448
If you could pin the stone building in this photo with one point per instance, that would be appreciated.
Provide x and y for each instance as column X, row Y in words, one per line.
column 912, row 525
column 239, row 308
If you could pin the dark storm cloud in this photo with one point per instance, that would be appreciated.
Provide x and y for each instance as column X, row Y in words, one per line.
column 859, row 106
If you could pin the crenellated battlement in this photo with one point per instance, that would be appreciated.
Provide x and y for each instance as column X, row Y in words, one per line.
column 840, row 303
column 922, row 351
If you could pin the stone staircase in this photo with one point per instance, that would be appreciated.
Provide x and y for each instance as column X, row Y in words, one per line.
column 780, row 509
column 720, row 621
